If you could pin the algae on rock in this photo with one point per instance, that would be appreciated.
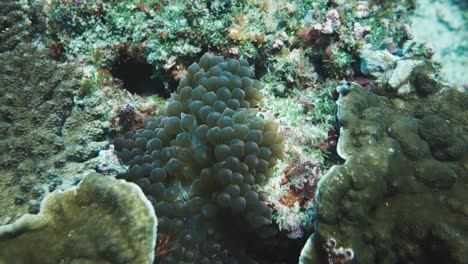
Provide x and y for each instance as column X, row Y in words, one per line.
column 102, row 220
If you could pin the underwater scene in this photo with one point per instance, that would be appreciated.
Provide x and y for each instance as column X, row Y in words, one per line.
column 233, row 132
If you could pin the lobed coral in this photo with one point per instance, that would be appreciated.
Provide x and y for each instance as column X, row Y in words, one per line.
column 399, row 195
column 102, row 220
column 201, row 160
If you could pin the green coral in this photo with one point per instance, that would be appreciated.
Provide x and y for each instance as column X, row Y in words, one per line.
column 102, row 220
column 47, row 132
column 14, row 26
column 391, row 184
column 405, row 131
column 36, row 100
column 445, row 142
column 202, row 158
column 437, row 131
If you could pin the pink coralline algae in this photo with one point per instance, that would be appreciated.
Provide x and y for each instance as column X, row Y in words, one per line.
column 332, row 21
column 337, row 255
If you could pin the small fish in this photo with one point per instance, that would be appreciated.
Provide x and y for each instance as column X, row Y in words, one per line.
column 184, row 193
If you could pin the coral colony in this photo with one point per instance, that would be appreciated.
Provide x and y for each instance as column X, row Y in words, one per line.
column 203, row 157
column 260, row 131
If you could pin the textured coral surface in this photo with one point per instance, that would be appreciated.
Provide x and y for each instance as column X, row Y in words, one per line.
column 200, row 161
column 399, row 197
column 14, row 25
column 102, row 220
column 46, row 132
column 209, row 161
column 36, row 98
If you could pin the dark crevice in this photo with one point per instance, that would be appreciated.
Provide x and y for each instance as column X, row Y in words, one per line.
column 138, row 77
column 276, row 249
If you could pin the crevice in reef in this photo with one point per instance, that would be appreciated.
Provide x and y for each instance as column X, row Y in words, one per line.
column 138, row 76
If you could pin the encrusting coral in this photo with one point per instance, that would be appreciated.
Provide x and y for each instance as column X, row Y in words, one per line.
column 47, row 133
column 201, row 159
column 400, row 196
column 36, row 98
column 14, row 26
column 102, row 220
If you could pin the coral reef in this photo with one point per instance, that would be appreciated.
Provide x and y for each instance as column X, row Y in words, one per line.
column 399, row 196
column 290, row 41
column 36, row 99
column 209, row 162
column 201, row 160
column 47, row 132
column 102, row 220
column 14, row 25
column 306, row 121
column 298, row 49
column 337, row 30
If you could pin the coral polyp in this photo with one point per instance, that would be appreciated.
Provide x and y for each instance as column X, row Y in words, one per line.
column 201, row 163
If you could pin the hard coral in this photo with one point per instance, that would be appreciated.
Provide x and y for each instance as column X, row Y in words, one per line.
column 14, row 27
column 102, row 220
column 401, row 185
column 202, row 158
column 35, row 102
